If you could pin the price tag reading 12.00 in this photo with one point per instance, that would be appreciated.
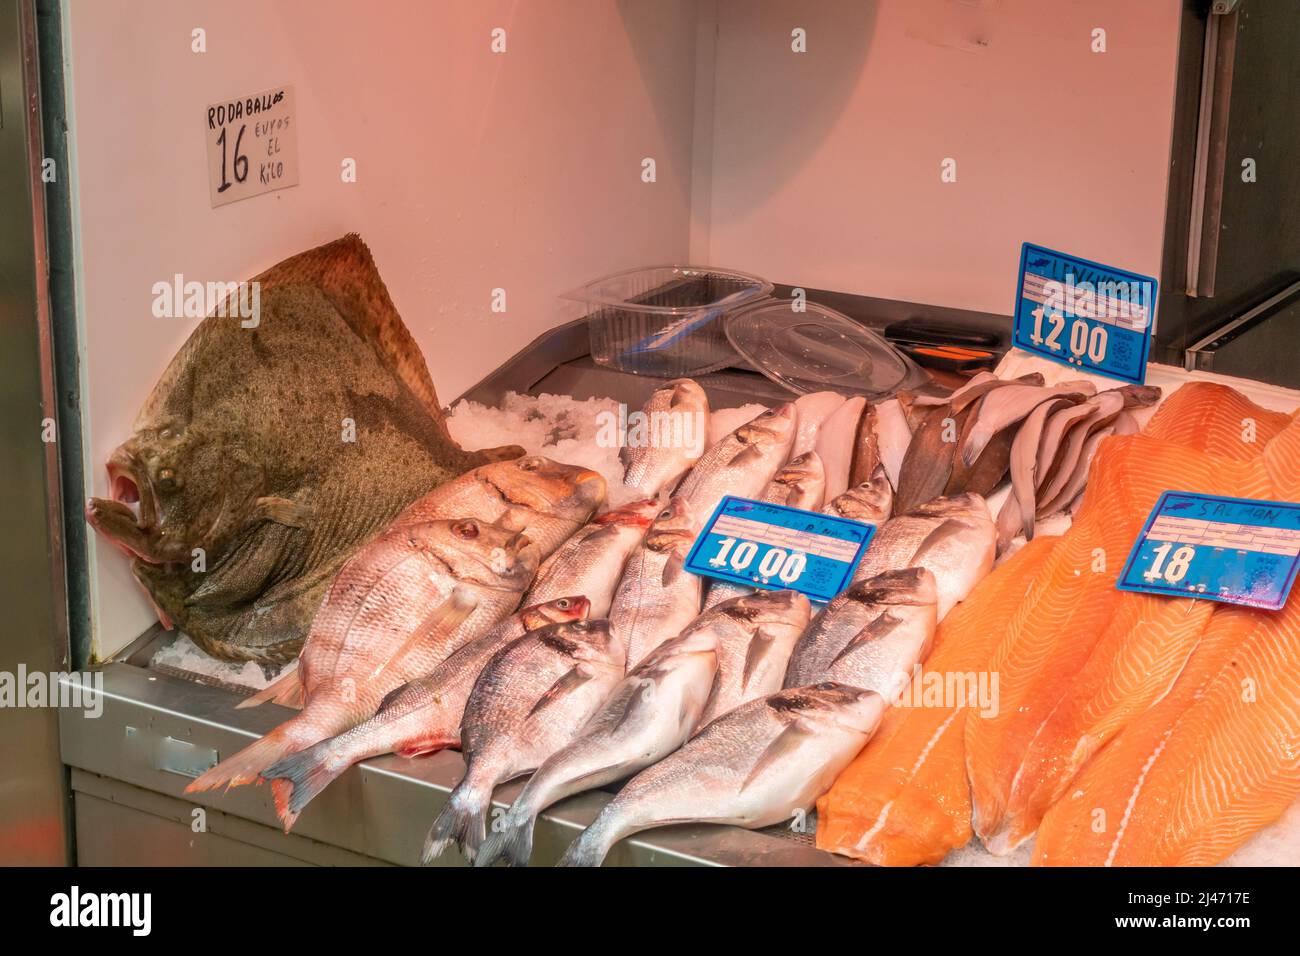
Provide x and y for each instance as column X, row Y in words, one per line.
column 1237, row 550
column 774, row 547
column 1093, row 317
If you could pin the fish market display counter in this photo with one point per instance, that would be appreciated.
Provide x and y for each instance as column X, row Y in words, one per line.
column 131, row 762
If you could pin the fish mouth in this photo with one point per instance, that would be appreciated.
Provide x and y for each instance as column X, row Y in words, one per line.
column 130, row 513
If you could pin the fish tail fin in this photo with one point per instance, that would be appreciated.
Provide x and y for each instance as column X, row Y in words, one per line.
column 286, row 689
column 463, row 821
column 511, row 838
column 594, row 843
column 247, row 765
column 298, row 778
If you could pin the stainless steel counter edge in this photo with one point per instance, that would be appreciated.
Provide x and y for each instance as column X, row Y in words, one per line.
column 154, row 731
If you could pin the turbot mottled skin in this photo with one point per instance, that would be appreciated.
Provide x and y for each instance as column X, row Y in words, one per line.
column 763, row 763
column 266, row 455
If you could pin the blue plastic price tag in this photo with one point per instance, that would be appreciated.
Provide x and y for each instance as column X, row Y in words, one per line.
column 1092, row 317
column 775, row 547
column 1237, row 550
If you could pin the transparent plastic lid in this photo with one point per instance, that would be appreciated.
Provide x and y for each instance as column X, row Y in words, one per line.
column 816, row 349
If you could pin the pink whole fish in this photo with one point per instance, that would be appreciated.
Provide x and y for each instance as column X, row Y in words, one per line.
column 397, row 609
column 592, row 561
column 420, row 717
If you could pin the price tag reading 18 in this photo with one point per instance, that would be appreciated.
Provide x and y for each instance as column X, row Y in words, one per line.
column 1237, row 550
column 1092, row 317
column 774, row 547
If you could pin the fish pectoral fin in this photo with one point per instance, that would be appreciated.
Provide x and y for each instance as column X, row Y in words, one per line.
column 639, row 699
column 795, row 735
column 882, row 625
column 447, row 616
column 750, row 454
column 760, row 647
column 673, row 569
column 285, row 511
column 578, row 675
column 286, row 689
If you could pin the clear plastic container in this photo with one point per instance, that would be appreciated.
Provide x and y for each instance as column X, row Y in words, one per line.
column 819, row 348
column 665, row 320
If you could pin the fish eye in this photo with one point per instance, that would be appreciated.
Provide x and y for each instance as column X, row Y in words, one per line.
column 529, row 464
column 563, row 604
column 465, row 529
column 167, row 480
column 666, row 513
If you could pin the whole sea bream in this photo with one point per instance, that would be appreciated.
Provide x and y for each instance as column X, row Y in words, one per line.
column 420, row 717
column 268, row 452
column 755, row 634
column 742, row 463
column 648, row 716
column 953, row 538
column 871, row 636
column 657, row 596
column 398, row 608
column 548, row 500
column 531, row 699
column 762, row 763
column 592, row 561
column 667, row 438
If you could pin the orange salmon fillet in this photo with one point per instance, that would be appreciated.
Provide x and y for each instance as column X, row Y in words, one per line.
column 905, row 801
column 1187, row 782
column 1080, row 659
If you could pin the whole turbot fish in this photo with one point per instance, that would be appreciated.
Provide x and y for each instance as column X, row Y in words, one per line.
column 398, row 608
column 271, row 449
column 657, row 596
column 531, row 699
column 761, row 764
column 420, row 717
column 871, row 636
column 667, row 438
column 592, row 561
column 649, row 715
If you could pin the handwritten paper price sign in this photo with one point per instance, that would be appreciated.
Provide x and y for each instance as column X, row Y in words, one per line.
column 252, row 145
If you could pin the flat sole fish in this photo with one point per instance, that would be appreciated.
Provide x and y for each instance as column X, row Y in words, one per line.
column 905, row 800
column 1074, row 601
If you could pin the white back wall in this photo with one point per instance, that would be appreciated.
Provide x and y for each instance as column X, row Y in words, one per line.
column 475, row 171
column 826, row 164
column 522, row 170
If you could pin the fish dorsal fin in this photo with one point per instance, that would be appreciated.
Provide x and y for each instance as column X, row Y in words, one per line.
column 345, row 271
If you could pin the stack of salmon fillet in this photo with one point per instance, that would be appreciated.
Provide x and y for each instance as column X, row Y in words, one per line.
column 1129, row 729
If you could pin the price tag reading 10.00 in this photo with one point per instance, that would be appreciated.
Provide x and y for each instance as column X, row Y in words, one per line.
column 774, row 547
column 1236, row 550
